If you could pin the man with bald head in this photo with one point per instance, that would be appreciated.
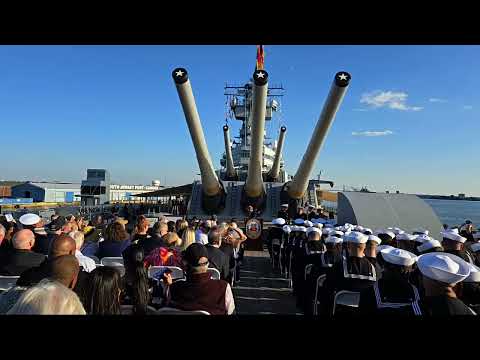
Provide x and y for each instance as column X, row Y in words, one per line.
column 64, row 269
column 21, row 257
column 62, row 245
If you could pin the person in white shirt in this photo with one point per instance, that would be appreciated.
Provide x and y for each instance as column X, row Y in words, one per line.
column 87, row 263
column 201, row 236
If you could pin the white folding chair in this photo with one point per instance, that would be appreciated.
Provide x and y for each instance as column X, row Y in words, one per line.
column 177, row 273
column 112, row 261
column 214, row 274
column 346, row 298
column 320, row 281
column 6, row 282
column 173, row 311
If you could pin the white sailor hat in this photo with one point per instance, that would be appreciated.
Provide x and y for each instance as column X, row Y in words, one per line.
column 326, row 231
column 397, row 230
column 299, row 221
column 287, row 229
column 390, row 233
column 284, row 205
column 476, row 235
column 336, row 233
column 429, row 244
column 333, row 240
column 406, row 237
column 374, row 238
column 398, row 256
column 278, row 221
column 314, row 229
column 318, row 225
column 422, row 238
column 355, row 237
column 29, row 219
column 444, row 267
column 381, row 247
column 294, row 228
column 359, row 228
column 307, row 223
column 474, row 274
column 420, row 231
column 365, row 230
column 301, row 229
column 475, row 247
column 452, row 235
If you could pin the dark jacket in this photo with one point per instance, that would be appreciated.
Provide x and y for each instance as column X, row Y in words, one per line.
column 199, row 292
column 227, row 249
column 34, row 275
column 109, row 248
column 219, row 261
column 444, row 306
column 42, row 243
column 14, row 262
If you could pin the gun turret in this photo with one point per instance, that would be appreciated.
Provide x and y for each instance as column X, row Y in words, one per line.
column 254, row 191
column 213, row 200
column 296, row 189
column 275, row 170
column 231, row 173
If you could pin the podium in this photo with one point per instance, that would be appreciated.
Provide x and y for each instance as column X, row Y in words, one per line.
column 254, row 231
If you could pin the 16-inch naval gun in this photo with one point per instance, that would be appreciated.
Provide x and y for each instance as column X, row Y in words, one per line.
column 254, row 174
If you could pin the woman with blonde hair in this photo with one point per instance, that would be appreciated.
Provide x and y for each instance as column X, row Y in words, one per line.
column 48, row 297
column 181, row 226
column 188, row 238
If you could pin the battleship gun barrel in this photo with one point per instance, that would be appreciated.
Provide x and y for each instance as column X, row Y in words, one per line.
column 299, row 184
column 210, row 184
column 231, row 172
column 254, row 183
column 275, row 170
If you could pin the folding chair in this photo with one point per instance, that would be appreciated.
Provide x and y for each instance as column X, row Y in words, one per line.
column 214, row 274
column 177, row 273
column 308, row 270
column 320, row 281
column 112, row 261
column 6, row 282
column 173, row 311
column 350, row 299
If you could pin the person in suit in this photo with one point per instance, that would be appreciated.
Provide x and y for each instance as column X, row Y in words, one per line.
column 216, row 257
column 21, row 257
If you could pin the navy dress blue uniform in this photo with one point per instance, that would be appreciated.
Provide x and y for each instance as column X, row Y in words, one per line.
column 351, row 273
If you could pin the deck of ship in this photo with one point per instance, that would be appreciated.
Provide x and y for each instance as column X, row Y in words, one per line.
column 260, row 290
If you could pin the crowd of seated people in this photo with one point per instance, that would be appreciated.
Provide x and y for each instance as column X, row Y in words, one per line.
column 350, row 269
column 64, row 258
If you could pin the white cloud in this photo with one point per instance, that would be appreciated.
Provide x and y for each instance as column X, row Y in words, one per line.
column 372, row 133
column 467, row 107
column 390, row 99
column 437, row 100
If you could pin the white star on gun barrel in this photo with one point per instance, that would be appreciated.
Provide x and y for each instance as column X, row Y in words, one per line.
column 342, row 77
column 179, row 73
column 260, row 74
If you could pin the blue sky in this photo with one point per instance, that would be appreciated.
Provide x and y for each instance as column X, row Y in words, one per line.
column 409, row 121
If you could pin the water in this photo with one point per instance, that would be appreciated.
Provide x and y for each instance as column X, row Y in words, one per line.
column 455, row 212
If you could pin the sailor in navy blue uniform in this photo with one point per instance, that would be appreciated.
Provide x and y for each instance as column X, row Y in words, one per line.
column 469, row 289
column 406, row 241
column 393, row 294
column 475, row 250
column 274, row 241
column 321, row 262
column 371, row 252
column 387, row 236
column 453, row 243
column 353, row 273
column 440, row 273
column 287, row 229
column 297, row 254
column 283, row 212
